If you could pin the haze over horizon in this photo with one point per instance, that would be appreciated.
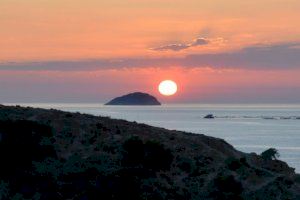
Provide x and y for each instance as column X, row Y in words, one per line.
column 216, row 51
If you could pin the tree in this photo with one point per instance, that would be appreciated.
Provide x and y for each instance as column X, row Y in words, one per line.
column 270, row 154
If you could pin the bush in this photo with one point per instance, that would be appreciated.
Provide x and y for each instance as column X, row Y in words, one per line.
column 4, row 190
column 297, row 178
column 226, row 188
column 134, row 151
column 270, row 154
column 156, row 156
column 21, row 143
column 228, row 184
column 151, row 154
column 235, row 164
column 184, row 164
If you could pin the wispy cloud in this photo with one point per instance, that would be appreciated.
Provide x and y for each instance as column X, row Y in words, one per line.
column 276, row 56
column 180, row 47
column 171, row 47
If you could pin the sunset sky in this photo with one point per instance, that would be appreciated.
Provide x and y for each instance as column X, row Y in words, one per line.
column 218, row 51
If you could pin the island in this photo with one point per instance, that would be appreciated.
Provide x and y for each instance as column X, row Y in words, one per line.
column 136, row 98
column 51, row 154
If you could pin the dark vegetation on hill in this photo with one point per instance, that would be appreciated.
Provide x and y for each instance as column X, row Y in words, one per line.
column 136, row 98
column 50, row 154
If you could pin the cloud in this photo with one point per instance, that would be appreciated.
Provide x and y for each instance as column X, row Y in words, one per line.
column 200, row 42
column 172, row 47
column 276, row 56
column 180, row 47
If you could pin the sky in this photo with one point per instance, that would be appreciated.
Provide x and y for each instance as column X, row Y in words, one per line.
column 217, row 51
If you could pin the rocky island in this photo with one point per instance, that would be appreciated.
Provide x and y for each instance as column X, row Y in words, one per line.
column 136, row 98
column 50, row 154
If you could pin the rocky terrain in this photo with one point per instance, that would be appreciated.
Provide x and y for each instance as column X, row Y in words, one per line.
column 136, row 98
column 50, row 154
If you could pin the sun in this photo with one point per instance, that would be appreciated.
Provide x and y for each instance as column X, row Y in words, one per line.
column 167, row 87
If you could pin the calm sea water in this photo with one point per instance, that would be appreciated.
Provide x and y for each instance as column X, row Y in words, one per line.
column 249, row 128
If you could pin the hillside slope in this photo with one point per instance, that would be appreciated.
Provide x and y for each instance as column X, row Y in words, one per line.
column 50, row 154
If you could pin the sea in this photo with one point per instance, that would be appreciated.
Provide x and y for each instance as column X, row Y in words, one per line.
column 249, row 128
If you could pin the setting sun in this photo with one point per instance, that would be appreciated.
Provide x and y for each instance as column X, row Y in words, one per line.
column 167, row 88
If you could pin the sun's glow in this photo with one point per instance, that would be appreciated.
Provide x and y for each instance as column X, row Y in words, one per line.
column 167, row 88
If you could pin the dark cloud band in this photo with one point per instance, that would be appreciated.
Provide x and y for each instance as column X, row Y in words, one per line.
column 180, row 47
column 279, row 56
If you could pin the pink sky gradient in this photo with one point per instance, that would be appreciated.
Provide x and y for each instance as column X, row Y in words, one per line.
column 204, row 85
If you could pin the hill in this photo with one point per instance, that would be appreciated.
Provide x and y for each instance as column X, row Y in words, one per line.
column 50, row 154
column 136, row 98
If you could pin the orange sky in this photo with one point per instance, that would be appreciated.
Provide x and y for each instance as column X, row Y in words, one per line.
column 75, row 30
column 64, row 29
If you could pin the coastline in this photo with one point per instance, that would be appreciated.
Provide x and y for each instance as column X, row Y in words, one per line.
column 187, row 158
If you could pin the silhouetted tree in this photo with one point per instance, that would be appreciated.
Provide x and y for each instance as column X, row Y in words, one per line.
column 270, row 154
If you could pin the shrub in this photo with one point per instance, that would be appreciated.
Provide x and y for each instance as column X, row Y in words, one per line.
column 68, row 115
column 156, row 156
column 297, row 178
column 151, row 154
column 184, row 164
column 228, row 184
column 226, row 188
column 134, row 151
column 270, row 154
column 21, row 143
column 4, row 190
column 233, row 163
